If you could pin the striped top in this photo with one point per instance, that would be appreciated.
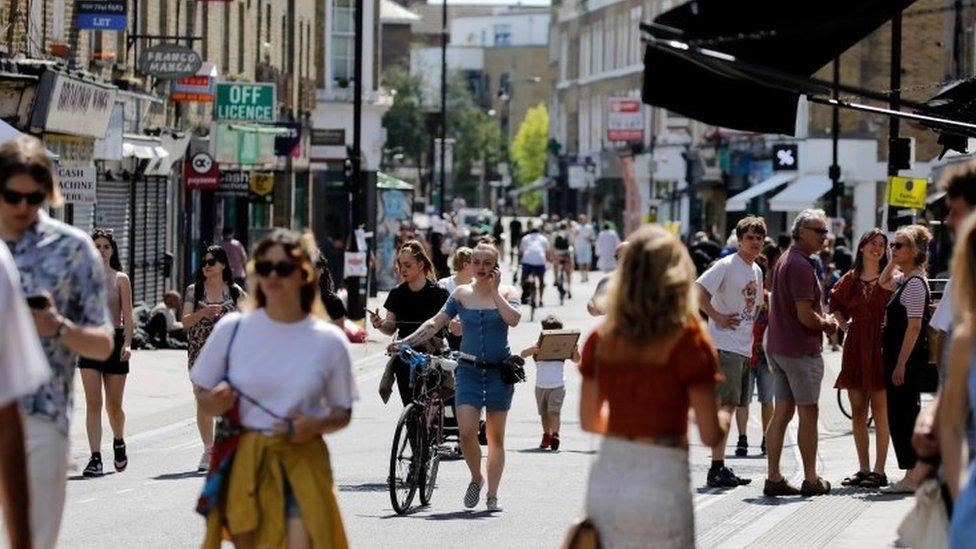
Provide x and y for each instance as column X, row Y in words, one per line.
column 913, row 298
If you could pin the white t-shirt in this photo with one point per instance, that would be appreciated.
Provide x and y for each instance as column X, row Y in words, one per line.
column 534, row 248
column 295, row 368
column 23, row 366
column 736, row 288
column 549, row 374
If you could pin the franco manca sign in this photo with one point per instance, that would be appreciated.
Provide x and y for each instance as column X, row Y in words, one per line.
column 169, row 62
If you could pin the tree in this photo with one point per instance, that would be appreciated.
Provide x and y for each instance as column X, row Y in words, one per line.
column 528, row 153
column 405, row 126
column 477, row 137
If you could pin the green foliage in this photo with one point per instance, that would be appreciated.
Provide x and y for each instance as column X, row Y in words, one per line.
column 476, row 136
column 404, row 122
column 528, row 154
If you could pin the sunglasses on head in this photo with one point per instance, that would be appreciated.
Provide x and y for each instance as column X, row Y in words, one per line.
column 210, row 262
column 284, row 267
column 14, row 197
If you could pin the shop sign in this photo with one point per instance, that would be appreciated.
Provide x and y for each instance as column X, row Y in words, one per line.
column 77, row 184
column 234, row 184
column 102, row 15
column 907, row 192
column 243, row 144
column 625, row 119
column 329, row 137
column 262, row 187
column 198, row 88
column 71, row 149
column 246, row 102
column 169, row 62
column 74, row 106
column 289, row 143
column 201, row 172
column 110, row 147
column 786, row 157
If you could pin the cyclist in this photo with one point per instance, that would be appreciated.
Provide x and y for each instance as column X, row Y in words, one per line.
column 562, row 258
column 534, row 249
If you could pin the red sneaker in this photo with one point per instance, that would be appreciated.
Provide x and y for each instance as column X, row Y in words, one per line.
column 554, row 441
column 546, row 441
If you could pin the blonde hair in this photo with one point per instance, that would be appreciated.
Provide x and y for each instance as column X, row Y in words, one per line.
column 919, row 237
column 487, row 248
column 462, row 255
column 964, row 271
column 651, row 294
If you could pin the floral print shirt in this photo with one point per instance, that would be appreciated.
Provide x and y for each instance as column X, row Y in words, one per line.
column 56, row 258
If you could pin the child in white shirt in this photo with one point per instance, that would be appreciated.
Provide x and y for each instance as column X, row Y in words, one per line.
column 550, row 387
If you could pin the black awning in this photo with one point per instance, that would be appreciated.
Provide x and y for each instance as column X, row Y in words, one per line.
column 795, row 38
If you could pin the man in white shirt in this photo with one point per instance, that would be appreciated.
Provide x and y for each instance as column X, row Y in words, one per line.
column 731, row 293
column 534, row 249
column 23, row 368
column 595, row 305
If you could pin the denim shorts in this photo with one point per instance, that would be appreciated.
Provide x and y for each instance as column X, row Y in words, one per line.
column 482, row 388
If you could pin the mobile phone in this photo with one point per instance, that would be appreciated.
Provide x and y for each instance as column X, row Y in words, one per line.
column 375, row 312
column 39, row 302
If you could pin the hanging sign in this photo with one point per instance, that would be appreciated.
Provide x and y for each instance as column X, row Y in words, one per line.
column 103, row 15
column 625, row 119
column 199, row 87
column 73, row 106
column 236, row 184
column 169, row 62
column 245, row 102
column 201, row 172
column 262, row 187
column 786, row 157
column 77, row 184
column 907, row 192
column 289, row 143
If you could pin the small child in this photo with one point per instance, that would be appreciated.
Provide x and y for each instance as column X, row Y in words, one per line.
column 550, row 389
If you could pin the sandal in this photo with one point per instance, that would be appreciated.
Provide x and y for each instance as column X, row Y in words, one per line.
column 857, row 479
column 874, row 481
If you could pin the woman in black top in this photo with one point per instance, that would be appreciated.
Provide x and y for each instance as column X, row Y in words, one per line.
column 417, row 299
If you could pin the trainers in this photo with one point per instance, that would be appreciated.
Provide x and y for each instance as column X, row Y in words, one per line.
column 472, row 496
column 492, row 504
column 121, row 461
column 779, row 488
column 723, row 477
column 546, row 440
column 94, row 467
column 742, row 448
column 554, row 443
column 819, row 488
column 204, row 461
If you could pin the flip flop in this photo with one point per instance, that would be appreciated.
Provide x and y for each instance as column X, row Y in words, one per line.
column 856, row 479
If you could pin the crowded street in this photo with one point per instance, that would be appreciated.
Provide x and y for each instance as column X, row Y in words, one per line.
column 151, row 505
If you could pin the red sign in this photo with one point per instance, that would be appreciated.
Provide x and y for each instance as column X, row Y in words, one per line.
column 201, row 172
column 625, row 119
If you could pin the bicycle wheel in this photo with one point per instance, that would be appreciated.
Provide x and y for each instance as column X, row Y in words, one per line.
column 432, row 453
column 404, row 463
column 843, row 404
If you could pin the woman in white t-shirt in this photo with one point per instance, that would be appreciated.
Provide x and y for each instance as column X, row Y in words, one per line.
column 289, row 370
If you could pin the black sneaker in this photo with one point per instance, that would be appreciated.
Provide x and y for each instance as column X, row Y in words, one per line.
column 94, row 467
column 742, row 448
column 121, row 461
column 724, row 478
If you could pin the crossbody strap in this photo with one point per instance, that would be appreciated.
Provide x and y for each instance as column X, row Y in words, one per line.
column 242, row 394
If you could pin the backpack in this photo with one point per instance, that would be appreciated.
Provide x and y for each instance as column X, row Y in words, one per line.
column 561, row 242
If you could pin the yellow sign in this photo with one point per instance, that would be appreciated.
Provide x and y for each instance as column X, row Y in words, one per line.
column 907, row 192
column 262, row 187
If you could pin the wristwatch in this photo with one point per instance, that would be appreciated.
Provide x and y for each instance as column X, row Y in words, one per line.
column 61, row 329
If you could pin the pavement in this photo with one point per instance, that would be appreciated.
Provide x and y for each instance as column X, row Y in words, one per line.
column 151, row 504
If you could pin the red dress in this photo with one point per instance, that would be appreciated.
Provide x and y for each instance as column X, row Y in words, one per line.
column 864, row 304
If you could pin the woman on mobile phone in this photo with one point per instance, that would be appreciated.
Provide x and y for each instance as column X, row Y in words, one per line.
column 110, row 373
column 212, row 295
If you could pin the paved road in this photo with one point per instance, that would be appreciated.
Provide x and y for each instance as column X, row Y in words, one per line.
column 151, row 504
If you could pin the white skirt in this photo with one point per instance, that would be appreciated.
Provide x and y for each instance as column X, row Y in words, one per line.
column 638, row 496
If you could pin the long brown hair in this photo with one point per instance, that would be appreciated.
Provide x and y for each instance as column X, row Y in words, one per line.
column 301, row 248
column 113, row 261
column 419, row 254
column 866, row 238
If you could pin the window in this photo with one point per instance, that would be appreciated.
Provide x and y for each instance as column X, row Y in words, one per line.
column 342, row 47
column 635, row 43
column 608, row 35
column 563, row 54
column 503, row 35
column 225, row 57
column 584, row 125
column 623, row 53
column 597, row 65
column 240, row 38
column 596, row 122
column 584, row 62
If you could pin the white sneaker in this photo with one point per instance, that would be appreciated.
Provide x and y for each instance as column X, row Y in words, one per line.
column 492, row 505
column 204, row 461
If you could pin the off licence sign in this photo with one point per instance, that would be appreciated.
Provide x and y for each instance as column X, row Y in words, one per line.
column 246, row 102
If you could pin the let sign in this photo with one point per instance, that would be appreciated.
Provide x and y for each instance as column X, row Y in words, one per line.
column 246, row 102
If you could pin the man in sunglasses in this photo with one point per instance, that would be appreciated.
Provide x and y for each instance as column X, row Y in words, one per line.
column 62, row 276
column 794, row 349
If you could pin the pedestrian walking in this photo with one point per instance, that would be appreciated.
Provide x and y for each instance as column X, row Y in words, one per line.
column 904, row 347
column 23, row 368
column 650, row 353
column 858, row 303
column 958, row 400
column 731, row 292
column 463, row 274
column 212, row 295
column 794, row 349
column 62, row 276
column 288, row 372
column 583, row 247
column 550, row 387
column 562, row 258
column 514, row 238
column 414, row 301
column 111, row 373
column 606, row 245
column 487, row 310
column 236, row 256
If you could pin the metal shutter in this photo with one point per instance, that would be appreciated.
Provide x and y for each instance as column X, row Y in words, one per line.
column 149, row 239
column 112, row 213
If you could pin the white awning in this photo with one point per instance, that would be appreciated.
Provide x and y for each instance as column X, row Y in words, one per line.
column 143, row 148
column 739, row 202
column 801, row 194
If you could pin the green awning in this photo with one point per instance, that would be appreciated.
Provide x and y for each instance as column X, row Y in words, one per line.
column 387, row 181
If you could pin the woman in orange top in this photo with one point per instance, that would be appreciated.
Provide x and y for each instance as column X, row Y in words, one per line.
column 642, row 368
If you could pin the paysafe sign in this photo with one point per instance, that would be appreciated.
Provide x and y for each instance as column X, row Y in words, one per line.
column 239, row 102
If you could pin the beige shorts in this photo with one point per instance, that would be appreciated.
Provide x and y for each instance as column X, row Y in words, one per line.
column 550, row 400
column 734, row 389
column 797, row 378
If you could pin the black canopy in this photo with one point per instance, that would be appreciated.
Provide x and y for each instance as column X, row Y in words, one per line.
column 706, row 59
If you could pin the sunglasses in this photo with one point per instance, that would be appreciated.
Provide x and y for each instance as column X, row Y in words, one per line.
column 284, row 267
column 13, row 197
column 898, row 245
column 210, row 262
column 821, row 232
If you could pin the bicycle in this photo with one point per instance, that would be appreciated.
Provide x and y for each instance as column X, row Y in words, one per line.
column 418, row 441
column 845, row 406
column 560, row 265
column 529, row 295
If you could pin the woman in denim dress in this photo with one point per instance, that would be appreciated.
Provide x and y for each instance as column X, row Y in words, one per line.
column 487, row 310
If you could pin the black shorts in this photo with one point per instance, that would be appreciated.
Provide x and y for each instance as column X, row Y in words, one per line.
column 114, row 364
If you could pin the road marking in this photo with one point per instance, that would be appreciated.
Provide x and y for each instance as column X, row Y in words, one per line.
column 125, row 491
column 89, row 500
column 709, row 497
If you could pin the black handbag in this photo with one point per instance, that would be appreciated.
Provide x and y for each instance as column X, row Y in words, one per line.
column 513, row 370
